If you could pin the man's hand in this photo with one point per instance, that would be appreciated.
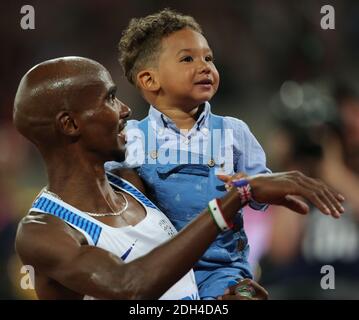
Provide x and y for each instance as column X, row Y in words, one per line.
column 246, row 289
column 280, row 189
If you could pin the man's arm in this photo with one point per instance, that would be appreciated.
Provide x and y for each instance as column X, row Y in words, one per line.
column 56, row 253
column 49, row 245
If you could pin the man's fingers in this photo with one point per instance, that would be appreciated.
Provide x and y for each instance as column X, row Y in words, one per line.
column 281, row 187
column 295, row 204
column 313, row 197
column 329, row 207
column 321, row 196
column 329, row 197
column 335, row 203
column 339, row 197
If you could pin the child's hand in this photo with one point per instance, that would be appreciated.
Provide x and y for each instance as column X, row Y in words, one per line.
column 228, row 179
column 246, row 289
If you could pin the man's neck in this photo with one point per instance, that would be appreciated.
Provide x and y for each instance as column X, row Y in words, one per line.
column 81, row 182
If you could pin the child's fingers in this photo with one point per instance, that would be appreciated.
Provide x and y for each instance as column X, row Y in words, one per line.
column 224, row 177
column 234, row 297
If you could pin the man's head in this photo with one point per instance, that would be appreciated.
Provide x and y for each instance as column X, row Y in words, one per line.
column 166, row 54
column 70, row 102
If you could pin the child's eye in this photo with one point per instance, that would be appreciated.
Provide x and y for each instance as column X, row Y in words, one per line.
column 209, row 58
column 187, row 59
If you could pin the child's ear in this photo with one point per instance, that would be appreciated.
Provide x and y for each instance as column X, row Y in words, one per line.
column 147, row 80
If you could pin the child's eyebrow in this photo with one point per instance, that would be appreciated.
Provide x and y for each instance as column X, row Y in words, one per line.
column 193, row 50
column 184, row 51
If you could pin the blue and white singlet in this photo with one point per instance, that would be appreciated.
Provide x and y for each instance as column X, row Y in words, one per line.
column 128, row 243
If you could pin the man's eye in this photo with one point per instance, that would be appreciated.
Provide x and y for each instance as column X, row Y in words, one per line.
column 112, row 97
column 187, row 59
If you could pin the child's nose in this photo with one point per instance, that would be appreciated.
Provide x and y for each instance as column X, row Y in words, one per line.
column 204, row 67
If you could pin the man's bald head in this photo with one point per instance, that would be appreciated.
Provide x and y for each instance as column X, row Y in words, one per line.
column 51, row 87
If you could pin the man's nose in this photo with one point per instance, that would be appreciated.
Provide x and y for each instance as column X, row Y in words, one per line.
column 125, row 111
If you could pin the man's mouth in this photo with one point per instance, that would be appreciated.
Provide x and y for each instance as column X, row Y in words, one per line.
column 122, row 125
column 121, row 130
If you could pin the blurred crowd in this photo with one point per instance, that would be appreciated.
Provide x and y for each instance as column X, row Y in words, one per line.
column 319, row 137
column 296, row 85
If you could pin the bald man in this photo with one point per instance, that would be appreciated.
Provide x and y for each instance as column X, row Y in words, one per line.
column 92, row 234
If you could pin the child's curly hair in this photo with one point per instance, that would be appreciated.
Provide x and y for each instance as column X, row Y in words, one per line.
column 141, row 41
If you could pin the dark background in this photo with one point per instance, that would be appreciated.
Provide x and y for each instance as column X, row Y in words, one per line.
column 258, row 45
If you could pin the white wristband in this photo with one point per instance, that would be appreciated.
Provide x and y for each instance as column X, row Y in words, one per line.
column 217, row 215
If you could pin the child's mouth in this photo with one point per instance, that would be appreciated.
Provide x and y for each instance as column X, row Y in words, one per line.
column 205, row 82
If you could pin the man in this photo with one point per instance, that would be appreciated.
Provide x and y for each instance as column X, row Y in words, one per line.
column 85, row 224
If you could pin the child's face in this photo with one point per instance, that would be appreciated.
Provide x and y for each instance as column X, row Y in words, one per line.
column 187, row 74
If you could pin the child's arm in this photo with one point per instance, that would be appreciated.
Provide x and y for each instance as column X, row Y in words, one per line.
column 248, row 155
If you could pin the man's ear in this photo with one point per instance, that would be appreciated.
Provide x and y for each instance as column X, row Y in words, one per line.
column 67, row 124
column 147, row 80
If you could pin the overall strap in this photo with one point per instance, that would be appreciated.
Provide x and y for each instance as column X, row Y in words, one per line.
column 216, row 140
column 216, row 121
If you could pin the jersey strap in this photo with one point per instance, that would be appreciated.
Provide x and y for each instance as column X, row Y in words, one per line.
column 46, row 203
column 122, row 184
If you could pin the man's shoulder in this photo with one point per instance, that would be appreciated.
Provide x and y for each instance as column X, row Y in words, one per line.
column 36, row 230
column 32, row 230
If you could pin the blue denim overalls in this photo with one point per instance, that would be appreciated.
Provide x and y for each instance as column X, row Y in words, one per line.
column 182, row 191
